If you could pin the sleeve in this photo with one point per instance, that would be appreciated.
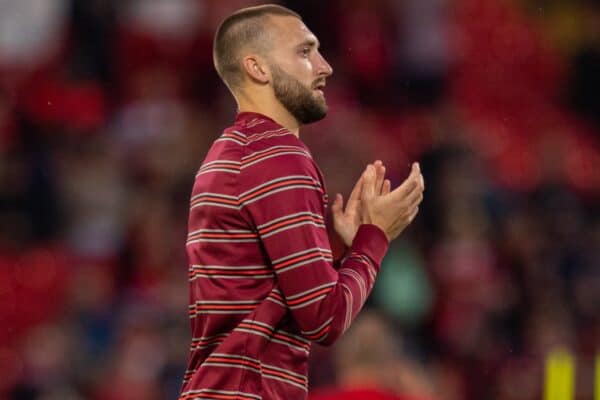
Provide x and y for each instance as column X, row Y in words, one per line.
column 284, row 202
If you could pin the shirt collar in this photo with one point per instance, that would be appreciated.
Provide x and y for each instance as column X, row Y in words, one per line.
column 247, row 117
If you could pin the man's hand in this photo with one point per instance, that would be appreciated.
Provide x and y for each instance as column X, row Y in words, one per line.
column 392, row 211
column 347, row 220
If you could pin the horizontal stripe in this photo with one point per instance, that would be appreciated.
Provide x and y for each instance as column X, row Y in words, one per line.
column 230, row 272
column 233, row 272
column 208, row 341
column 272, row 154
column 259, row 153
column 229, row 365
column 319, row 333
column 226, row 302
column 273, row 368
column 210, row 170
column 278, row 185
column 310, row 299
column 213, row 204
column 241, row 139
column 279, row 189
column 231, row 139
column 300, row 253
column 261, row 188
column 214, row 199
column 309, row 291
column 251, row 364
column 272, row 338
column 259, row 192
column 222, row 236
column 219, row 162
column 277, row 299
column 209, row 338
column 222, row 231
column 299, row 338
column 268, row 134
column 255, row 122
column 285, row 379
column 302, row 258
column 228, row 267
column 222, row 307
column 229, row 276
column 220, row 166
column 233, row 136
column 271, row 334
column 218, row 394
column 221, row 240
column 289, row 222
column 310, row 296
column 275, row 222
column 264, row 133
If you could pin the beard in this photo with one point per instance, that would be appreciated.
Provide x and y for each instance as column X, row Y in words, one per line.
column 297, row 98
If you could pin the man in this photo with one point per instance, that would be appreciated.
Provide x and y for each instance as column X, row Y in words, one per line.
column 262, row 281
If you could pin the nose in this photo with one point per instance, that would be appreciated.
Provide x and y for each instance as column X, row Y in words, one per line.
column 323, row 67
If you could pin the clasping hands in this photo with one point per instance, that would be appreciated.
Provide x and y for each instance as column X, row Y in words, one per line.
column 373, row 202
column 346, row 220
column 395, row 210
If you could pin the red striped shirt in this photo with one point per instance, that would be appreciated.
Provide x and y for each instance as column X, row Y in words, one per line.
column 262, row 281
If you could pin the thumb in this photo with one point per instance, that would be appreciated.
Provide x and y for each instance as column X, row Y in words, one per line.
column 336, row 207
column 368, row 189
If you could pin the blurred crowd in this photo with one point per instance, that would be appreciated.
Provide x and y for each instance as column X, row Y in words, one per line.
column 108, row 107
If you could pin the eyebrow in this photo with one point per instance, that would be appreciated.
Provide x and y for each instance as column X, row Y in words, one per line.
column 310, row 42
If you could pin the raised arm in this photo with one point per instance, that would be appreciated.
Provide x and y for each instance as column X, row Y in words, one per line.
column 284, row 202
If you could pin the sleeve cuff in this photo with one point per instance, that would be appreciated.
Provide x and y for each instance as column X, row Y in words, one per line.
column 371, row 241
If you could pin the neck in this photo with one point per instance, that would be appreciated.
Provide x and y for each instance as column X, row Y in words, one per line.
column 270, row 107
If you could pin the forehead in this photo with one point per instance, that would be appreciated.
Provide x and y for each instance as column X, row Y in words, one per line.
column 290, row 30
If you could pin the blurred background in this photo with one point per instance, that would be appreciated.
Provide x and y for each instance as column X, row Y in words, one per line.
column 108, row 107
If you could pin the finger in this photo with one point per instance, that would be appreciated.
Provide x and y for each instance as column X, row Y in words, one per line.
column 336, row 207
column 387, row 187
column 356, row 190
column 413, row 214
column 411, row 183
column 368, row 184
column 420, row 176
column 379, row 178
column 414, row 199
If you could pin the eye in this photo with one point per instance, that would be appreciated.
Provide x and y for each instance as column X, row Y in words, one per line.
column 305, row 51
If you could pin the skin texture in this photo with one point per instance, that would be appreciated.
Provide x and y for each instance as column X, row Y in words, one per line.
column 285, row 80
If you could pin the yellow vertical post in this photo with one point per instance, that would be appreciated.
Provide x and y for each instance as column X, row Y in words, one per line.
column 597, row 377
column 559, row 382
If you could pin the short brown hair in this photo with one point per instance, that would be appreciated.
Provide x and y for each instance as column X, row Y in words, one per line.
column 242, row 28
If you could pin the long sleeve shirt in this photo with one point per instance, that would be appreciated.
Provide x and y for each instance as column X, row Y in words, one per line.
column 263, row 286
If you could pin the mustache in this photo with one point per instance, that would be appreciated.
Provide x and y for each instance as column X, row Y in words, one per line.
column 319, row 83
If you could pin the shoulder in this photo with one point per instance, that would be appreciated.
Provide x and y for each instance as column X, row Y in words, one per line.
column 274, row 151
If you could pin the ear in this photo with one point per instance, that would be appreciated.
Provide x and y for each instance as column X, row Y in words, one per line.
column 256, row 69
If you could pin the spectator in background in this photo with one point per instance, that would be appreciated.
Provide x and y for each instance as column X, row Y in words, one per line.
column 371, row 365
column 422, row 57
column 30, row 32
